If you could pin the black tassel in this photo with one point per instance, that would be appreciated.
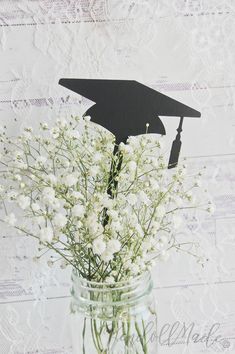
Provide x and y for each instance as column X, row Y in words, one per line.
column 176, row 146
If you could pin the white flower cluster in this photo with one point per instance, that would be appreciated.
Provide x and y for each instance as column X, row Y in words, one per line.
column 106, row 225
column 106, row 250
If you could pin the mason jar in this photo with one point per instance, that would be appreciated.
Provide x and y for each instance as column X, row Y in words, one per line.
column 117, row 318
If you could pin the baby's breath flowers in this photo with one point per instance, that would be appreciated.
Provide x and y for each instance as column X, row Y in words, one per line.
column 106, row 225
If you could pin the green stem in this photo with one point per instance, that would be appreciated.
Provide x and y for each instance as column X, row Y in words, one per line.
column 98, row 337
column 142, row 338
column 93, row 337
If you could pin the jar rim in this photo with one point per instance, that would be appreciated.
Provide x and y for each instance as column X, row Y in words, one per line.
column 132, row 280
column 132, row 290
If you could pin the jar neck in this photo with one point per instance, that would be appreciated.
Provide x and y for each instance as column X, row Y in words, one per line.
column 116, row 294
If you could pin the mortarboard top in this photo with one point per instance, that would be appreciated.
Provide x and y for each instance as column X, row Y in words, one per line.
column 125, row 106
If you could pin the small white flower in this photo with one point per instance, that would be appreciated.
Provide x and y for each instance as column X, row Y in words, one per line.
column 46, row 234
column 44, row 126
column 27, row 136
column 131, row 199
column 140, row 262
column 106, row 256
column 18, row 154
column 73, row 134
column 154, row 185
column 143, row 141
column 48, row 195
column 23, row 202
column 39, row 221
column 95, row 228
column 62, row 122
column 139, row 230
column 113, row 214
column 161, row 143
column 97, row 157
column 133, row 141
column 142, row 196
column 132, row 166
column 59, row 220
column 189, row 196
column 113, row 246
column 126, row 149
column 10, row 219
column 52, row 178
column 70, row 180
column 115, row 226
column 55, row 132
column 94, row 171
column 87, row 119
column 92, row 224
column 98, row 246
column 106, row 201
column 146, row 246
column 78, row 210
column 18, row 178
column 211, row 208
column 127, row 264
column 135, row 269
column 48, row 191
column 110, row 280
column 57, row 203
column 77, row 195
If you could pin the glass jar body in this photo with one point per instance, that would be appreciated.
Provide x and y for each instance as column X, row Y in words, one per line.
column 114, row 318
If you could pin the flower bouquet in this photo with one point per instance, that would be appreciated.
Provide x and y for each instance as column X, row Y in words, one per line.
column 110, row 216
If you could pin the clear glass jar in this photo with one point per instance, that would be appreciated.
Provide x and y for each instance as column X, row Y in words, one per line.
column 115, row 318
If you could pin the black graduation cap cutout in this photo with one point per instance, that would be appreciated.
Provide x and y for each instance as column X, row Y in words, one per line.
column 125, row 106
